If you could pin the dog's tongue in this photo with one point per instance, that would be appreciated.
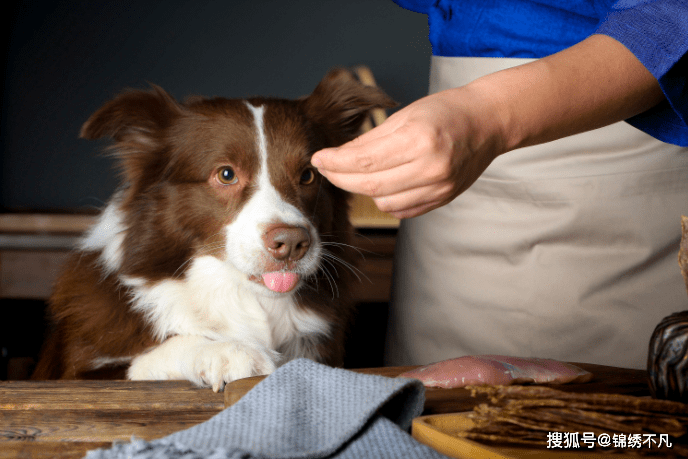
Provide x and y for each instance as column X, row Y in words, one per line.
column 280, row 282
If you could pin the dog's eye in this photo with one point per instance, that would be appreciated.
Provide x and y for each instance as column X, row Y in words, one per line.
column 307, row 176
column 227, row 176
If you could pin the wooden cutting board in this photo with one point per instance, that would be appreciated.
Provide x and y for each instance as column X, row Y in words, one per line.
column 611, row 380
column 442, row 433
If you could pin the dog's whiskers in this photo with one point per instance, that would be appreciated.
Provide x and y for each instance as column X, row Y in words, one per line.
column 202, row 250
column 331, row 281
column 322, row 268
column 330, row 258
column 209, row 248
column 179, row 272
column 342, row 244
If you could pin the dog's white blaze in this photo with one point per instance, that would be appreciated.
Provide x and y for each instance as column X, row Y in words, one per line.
column 244, row 243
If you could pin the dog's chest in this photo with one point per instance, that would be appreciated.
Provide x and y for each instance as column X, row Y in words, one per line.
column 212, row 301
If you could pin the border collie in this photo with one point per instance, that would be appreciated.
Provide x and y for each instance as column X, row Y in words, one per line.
column 224, row 253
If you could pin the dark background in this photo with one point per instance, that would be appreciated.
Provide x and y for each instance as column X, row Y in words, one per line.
column 66, row 58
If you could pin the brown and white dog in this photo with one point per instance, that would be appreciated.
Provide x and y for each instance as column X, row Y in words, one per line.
column 216, row 258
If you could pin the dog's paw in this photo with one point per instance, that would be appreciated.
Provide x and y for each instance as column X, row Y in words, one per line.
column 151, row 366
column 218, row 363
column 202, row 361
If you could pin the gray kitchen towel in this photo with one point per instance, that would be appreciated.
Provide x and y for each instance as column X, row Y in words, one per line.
column 303, row 410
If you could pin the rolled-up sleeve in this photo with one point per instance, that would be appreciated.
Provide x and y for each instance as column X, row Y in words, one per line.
column 656, row 32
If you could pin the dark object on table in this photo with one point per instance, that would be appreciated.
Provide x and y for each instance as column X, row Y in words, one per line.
column 667, row 359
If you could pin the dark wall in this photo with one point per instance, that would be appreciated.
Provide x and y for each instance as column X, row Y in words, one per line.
column 66, row 58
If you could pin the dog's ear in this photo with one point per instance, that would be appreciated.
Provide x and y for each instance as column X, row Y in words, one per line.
column 136, row 121
column 133, row 116
column 340, row 103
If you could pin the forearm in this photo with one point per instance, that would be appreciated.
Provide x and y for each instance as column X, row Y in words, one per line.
column 588, row 86
column 429, row 152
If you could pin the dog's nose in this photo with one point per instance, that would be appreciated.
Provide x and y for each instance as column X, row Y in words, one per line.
column 287, row 242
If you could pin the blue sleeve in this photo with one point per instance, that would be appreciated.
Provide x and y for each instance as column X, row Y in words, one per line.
column 419, row 6
column 656, row 31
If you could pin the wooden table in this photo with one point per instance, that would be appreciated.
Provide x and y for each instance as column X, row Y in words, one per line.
column 64, row 419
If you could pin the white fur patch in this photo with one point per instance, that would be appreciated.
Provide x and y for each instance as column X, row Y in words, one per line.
column 211, row 301
column 244, row 243
column 109, row 361
column 290, row 326
column 107, row 235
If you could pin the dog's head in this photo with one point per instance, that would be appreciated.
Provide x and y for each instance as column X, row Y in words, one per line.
column 230, row 179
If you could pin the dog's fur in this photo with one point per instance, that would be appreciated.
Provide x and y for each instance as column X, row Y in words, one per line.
column 216, row 193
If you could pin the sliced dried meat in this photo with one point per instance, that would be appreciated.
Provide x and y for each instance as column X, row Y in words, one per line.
column 497, row 370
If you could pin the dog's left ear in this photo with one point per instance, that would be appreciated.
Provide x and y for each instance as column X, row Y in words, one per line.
column 133, row 117
column 340, row 103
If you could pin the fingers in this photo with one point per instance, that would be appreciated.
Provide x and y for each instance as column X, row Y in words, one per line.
column 381, row 166
column 376, row 184
column 416, row 210
column 363, row 155
column 416, row 201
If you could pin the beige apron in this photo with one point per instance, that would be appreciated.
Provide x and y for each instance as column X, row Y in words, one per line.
column 566, row 250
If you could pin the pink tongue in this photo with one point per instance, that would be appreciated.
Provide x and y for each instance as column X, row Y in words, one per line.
column 280, row 282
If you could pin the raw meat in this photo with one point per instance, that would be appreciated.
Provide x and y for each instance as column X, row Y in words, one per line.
column 497, row 370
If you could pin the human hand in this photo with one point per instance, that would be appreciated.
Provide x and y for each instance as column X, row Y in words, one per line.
column 421, row 157
column 429, row 152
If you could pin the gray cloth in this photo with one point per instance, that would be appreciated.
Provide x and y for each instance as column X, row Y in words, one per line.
column 303, row 410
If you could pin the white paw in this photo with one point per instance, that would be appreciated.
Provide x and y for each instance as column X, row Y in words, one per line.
column 202, row 361
column 150, row 366
column 218, row 363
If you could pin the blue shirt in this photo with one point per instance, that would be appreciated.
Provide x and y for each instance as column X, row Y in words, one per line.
column 655, row 31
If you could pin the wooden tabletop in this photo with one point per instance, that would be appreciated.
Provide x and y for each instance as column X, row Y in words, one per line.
column 67, row 418
column 64, row 419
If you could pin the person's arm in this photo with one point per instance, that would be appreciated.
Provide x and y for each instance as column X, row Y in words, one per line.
column 429, row 152
column 590, row 85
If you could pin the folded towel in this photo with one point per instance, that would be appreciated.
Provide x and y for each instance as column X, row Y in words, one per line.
column 303, row 410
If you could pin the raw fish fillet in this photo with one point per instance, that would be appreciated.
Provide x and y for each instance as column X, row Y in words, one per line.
column 497, row 370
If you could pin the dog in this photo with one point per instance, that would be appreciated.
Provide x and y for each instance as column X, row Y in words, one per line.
column 223, row 254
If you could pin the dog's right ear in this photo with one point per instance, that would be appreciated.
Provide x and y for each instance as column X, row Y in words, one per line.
column 134, row 118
